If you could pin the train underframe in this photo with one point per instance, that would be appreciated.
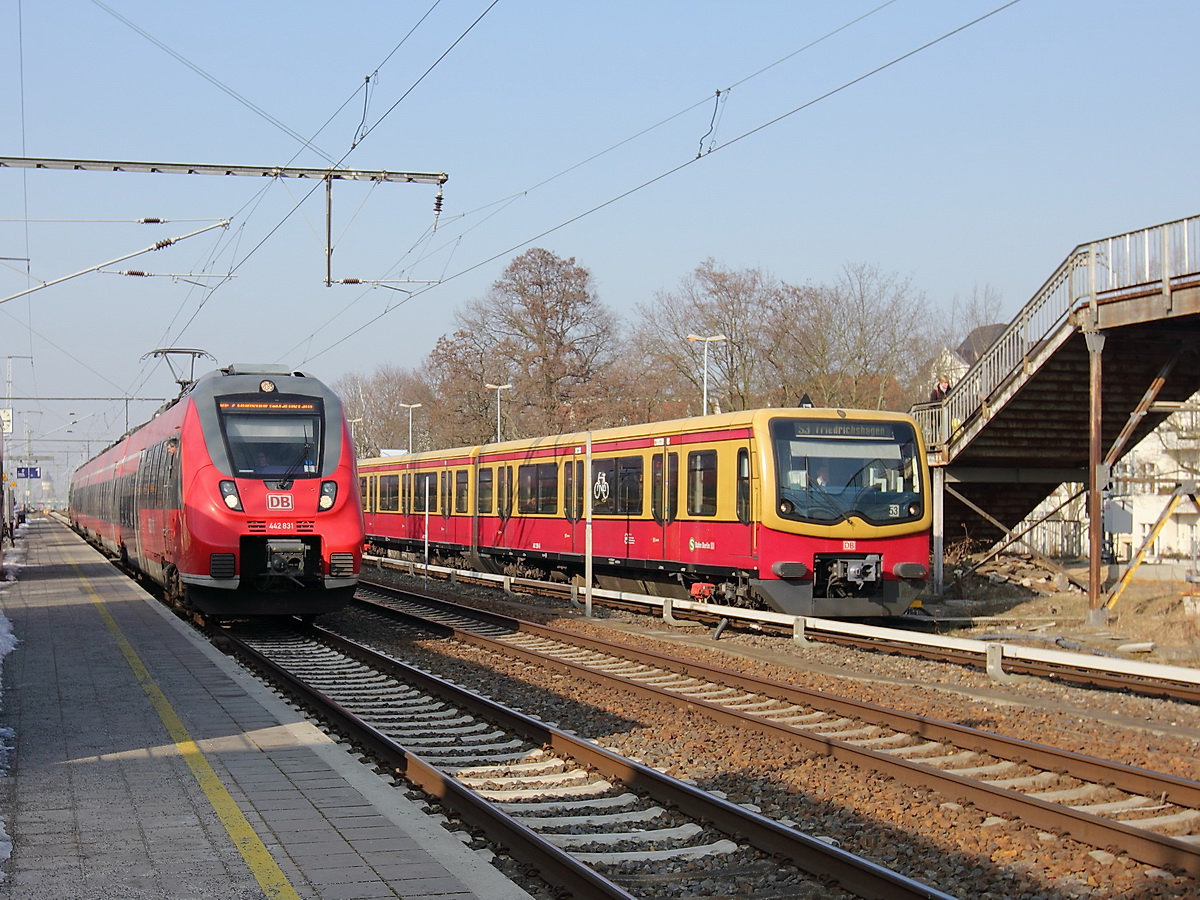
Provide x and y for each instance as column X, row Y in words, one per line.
column 266, row 577
column 842, row 585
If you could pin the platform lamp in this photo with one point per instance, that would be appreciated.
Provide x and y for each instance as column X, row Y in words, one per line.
column 498, row 388
column 706, row 341
column 410, row 407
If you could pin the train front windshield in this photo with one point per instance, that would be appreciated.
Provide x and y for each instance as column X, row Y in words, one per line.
column 278, row 438
column 828, row 470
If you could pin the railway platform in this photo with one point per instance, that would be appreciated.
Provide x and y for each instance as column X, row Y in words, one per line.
column 139, row 762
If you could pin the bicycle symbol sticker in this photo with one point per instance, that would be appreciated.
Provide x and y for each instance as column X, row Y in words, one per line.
column 600, row 488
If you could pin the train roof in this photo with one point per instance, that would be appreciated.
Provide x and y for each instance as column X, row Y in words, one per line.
column 212, row 382
column 740, row 418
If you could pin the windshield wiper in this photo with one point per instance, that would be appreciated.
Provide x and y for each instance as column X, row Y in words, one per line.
column 286, row 479
column 834, row 505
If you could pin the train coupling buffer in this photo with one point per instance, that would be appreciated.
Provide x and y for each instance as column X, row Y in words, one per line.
column 859, row 571
column 286, row 555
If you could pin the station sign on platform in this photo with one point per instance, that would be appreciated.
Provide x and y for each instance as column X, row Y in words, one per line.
column 29, row 471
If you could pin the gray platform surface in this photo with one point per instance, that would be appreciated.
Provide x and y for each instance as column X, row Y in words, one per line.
column 144, row 764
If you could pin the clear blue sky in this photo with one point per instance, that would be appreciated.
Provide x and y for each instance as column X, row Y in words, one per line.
column 979, row 161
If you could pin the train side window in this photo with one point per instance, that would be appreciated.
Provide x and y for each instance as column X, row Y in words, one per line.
column 604, row 487
column 389, row 493
column 483, row 492
column 363, row 489
column 743, row 486
column 425, row 488
column 405, row 493
column 461, row 485
column 629, row 481
column 446, row 488
column 573, row 491
column 663, row 490
column 537, row 489
column 504, row 491
column 702, row 483
column 527, row 489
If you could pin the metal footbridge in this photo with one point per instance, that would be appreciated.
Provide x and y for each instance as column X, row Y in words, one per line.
column 1098, row 358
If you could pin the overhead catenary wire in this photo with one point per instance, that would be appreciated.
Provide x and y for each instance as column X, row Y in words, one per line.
column 306, row 143
column 160, row 245
column 498, row 206
column 524, row 192
column 681, row 166
column 258, row 110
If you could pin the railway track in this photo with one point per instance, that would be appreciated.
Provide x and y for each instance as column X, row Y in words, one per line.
column 590, row 821
column 999, row 660
column 1154, row 817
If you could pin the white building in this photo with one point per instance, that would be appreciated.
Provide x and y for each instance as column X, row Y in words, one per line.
column 1142, row 489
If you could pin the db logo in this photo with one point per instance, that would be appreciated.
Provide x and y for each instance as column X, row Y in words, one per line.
column 279, row 501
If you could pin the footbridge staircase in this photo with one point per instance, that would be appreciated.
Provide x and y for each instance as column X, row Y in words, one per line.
column 1098, row 358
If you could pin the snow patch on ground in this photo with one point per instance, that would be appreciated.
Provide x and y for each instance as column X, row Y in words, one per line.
column 13, row 561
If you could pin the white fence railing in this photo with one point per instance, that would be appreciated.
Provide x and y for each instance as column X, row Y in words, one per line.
column 1158, row 258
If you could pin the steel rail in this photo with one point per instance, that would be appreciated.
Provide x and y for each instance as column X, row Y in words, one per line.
column 1015, row 660
column 1149, row 847
column 819, row 859
column 555, row 865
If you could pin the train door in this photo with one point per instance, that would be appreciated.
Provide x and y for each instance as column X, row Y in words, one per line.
column 504, row 504
column 493, row 494
column 664, row 500
column 572, row 504
column 142, row 517
column 485, row 506
column 460, row 522
column 746, row 534
column 152, row 533
column 365, row 485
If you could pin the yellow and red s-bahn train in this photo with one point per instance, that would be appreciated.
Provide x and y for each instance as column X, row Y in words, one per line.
column 817, row 512
column 240, row 497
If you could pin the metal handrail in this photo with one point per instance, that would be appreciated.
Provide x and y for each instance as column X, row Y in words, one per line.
column 1146, row 260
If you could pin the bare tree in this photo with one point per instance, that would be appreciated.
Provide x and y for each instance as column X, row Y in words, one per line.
column 456, row 371
column 983, row 306
column 860, row 342
column 547, row 334
column 853, row 343
column 710, row 301
column 372, row 405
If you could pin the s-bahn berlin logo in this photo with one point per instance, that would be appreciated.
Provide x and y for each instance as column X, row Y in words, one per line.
column 279, row 501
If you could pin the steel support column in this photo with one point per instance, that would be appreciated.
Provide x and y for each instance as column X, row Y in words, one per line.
column 938, row 476
column 1097, row 478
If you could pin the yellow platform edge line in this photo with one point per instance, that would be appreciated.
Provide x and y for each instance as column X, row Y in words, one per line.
column 262, row 865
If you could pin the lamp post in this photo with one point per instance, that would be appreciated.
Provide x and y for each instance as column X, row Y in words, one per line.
column 410, row 407
column 706, row 341
column 498, row 388
column 353, row 439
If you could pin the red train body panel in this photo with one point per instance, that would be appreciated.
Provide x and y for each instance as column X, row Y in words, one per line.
column 804, row 511
column 240, row 497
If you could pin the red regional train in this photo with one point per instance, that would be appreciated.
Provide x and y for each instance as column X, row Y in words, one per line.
column 240, row 497
column 816, row 512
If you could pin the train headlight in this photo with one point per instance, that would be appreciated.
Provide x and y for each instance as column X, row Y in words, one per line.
column 229, row 493
column 328, row 495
